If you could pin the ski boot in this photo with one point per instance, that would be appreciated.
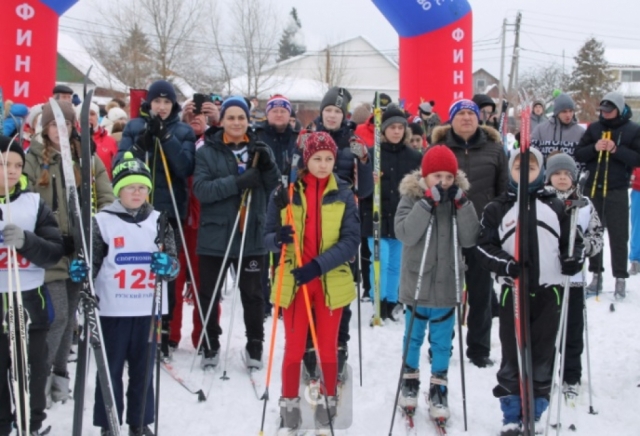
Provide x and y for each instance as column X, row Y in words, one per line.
column 634, row 268
column 253, row 354
column 595, row 285
column 343, row 355
column 210, row 359
column 140, row 431
column 438, row 402
column 511, row 407
column 409, row 391
column 290, row 416
column 540, row 406
column 323, row 420
column 60, row 388
column 621, row 289
column 571, row 392
column 393, row 311
column 366, row 296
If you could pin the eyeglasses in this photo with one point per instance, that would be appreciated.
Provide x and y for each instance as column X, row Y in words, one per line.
column 131, row 189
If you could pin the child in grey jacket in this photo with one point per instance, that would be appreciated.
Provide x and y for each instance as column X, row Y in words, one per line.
column 434, row 191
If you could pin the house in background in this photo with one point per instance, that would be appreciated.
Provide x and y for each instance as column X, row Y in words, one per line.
column 486, row 83
column 625, row 65
column 355, row 64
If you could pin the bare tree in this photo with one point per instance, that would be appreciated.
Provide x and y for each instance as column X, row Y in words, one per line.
column 542, row 81
column 156, row 38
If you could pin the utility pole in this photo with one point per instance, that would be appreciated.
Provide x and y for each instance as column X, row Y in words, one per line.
column 327, row 73
column 516, row 56
column 501, row 88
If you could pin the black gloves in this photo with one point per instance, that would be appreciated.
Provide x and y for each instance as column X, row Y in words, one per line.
column 433, row 196
column 281, row 197
column 156, row 127
column 306, row 273
column 144, row 143
column 571, row 265
column 285, row 235
column 265, row 163
column 69, row 245
column 512, row 269
column 250, row 179
column 457, row 196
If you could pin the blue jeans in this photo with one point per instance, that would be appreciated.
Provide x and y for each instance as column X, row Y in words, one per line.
column 440, row 322
column 634, row 240
column 390, row 261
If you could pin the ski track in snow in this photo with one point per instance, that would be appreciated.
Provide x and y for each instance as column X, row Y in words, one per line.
column 232, row 408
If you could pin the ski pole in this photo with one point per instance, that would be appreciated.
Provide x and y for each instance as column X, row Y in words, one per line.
column 586, row 337
column 222, row 271
column 414, row 307
column 377, row 117
column 182, row 238
column 305, row 293
column 358, row 272
column 456, row 268
column 155, row 326
column 236, row 282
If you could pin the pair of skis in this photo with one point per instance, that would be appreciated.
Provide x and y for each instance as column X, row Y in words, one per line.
column 377, row 210
column 80, row 220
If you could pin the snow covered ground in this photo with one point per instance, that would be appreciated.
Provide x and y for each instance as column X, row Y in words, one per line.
column 233, row 409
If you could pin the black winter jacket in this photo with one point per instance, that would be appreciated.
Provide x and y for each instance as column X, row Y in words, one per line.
column 282, row 144
column 179, row 148
column 214, row 184
column 482, row 159
column 626, row 134
column 345, row 160
column 44, row 248
column 396, row 161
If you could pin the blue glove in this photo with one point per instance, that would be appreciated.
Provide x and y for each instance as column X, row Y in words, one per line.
column 306, row 273
column 78, row 270
column 164, row 266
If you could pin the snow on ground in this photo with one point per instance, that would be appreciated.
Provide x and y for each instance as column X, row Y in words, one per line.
column 233, row 409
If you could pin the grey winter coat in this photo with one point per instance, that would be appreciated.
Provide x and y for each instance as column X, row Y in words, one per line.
column 552, row 135
column 438, row 287
column 214, row 184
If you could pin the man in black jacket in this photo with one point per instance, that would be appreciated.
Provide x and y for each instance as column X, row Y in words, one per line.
column 278, row 134
column 481, row 156
column 610, row 149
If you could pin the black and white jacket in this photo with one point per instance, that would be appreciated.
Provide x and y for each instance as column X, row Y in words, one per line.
column 548, row 237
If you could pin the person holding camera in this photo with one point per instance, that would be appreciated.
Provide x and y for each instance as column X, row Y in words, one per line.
column 161, row 140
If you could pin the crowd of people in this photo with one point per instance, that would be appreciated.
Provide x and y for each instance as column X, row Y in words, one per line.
column 290, row 210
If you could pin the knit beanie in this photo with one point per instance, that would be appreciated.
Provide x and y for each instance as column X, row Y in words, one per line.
column 539, row 181
column 67, row 110
column 416, row 128
column 558, row 162
column 459, row 105
column 561, row 103
column 162, row 88
column 384, row 100
column 278, row 101
column 439, row 158
column 318, row 141
column 427, row 107
column 483, row 100
column 130, row 170
column 237, row 101
column 7, row 144
column 393, row 114
column 338, row 97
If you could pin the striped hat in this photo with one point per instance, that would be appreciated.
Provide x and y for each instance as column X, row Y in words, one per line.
column 278, row 101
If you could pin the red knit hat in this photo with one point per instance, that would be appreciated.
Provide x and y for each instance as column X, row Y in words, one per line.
column 439, row 158
column 318, row 141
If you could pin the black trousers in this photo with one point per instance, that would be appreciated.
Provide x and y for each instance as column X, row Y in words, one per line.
column 575, row 330
column 250, row 287
column 266, row 284
column 38, row 372
column 365, row 265
column 544, row 316
column 479, row 290
column 616, row 220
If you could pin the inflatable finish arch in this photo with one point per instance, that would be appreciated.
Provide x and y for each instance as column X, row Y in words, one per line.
column 436, row 46
column 29, row 47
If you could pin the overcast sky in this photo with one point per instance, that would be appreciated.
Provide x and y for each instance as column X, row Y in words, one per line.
column 548, row 26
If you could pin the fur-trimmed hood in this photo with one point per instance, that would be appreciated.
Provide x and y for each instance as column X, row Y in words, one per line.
column 413, row 184
column 439, row 134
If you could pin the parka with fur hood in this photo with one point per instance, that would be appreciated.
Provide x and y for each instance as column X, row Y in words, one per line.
column 438, row 288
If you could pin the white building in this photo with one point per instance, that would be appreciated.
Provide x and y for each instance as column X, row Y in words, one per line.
column 625, row 63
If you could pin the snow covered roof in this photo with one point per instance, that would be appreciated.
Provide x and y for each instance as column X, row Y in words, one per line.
column 295, row 89
column 81, row 59
column 623, row 57
column 181, row 84
column 629, row 89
